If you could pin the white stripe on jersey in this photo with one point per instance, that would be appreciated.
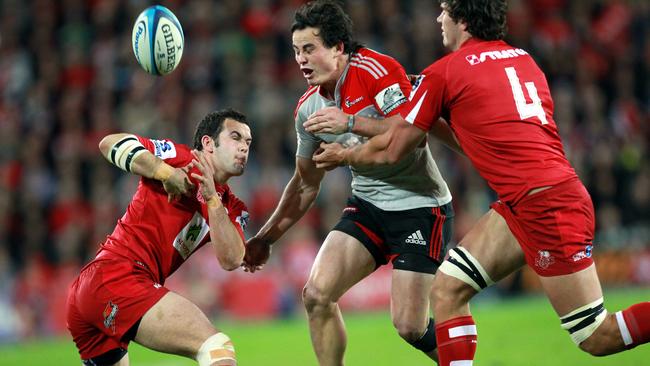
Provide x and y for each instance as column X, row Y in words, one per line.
column 364, row 67
column 379, row 70
column 414, row 112
column 372, row 60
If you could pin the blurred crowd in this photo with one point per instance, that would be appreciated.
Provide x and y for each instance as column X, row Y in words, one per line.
column 68, row 77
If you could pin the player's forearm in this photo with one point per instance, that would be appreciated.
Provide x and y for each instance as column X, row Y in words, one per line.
column 368, row 127
column 443, row 132
column 226, row 241
column 127, row 153
column 296, row 199
column 373, row 152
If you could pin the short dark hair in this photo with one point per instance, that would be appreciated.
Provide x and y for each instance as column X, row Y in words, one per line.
column 212, row 125
column 485, row 19
column 329, row 18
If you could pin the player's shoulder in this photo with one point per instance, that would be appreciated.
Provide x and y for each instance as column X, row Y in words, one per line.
column 372, row 63
column 303, row 102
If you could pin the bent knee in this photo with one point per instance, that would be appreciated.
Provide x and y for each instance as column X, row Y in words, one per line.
column 605, row 340
column 409, row 331
column 315, row 297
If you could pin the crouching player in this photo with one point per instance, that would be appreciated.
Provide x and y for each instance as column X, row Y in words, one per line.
column 120, row 296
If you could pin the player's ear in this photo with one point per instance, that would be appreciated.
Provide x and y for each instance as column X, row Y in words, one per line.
column 339, row 49
column 208, row 143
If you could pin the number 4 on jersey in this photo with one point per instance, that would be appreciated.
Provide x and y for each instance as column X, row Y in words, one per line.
column 526, row 110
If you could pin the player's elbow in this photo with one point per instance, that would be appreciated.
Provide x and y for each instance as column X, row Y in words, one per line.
column 106, row 144
column 232, row 260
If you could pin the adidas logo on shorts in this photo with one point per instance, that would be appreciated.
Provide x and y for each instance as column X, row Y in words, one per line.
column 416, row 238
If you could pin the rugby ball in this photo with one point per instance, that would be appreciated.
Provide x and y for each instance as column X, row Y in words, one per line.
column 158, row 40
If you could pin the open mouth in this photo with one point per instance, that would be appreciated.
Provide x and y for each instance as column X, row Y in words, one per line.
column 307, row 73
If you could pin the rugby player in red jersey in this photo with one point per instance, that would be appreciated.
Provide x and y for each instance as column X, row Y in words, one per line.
column 499, row 106
column 182, row 203
column 416, row 204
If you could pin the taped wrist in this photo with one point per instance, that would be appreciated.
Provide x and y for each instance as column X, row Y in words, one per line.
column 125, row 151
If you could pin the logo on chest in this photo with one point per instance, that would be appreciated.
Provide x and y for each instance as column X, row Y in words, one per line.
column 349, row 103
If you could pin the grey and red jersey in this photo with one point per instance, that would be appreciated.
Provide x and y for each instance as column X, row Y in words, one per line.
column 375, row 85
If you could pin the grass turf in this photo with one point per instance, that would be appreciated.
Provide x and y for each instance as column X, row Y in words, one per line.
column 522, row 331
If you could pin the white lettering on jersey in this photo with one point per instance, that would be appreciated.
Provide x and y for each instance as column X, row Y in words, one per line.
column 494, row 55
column 414, row 112
column 191, row 235
column 390, row 98
column 164, row 149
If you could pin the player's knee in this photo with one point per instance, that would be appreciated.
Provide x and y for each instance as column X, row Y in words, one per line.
column 471, row 276
column 592, row 330
column 604, row 340
column 217, row 350
column 422, row 338
column 408, row 330
column 315, row 298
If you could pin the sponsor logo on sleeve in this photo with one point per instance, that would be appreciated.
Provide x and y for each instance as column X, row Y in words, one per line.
column 164, row 149
column 242, row 219
column 390, row 98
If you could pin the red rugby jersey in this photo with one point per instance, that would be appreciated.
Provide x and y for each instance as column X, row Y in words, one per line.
column 499, row 106
column 162, row 235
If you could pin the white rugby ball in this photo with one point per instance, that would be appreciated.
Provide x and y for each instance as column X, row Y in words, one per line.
column 158, row 40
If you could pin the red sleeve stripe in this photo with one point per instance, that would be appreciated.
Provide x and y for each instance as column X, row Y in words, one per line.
column 304, row 97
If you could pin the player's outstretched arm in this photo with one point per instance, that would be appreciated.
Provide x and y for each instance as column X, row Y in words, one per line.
column 127, row 153
column 224, row 236
column 298, row 196
column 387, row 148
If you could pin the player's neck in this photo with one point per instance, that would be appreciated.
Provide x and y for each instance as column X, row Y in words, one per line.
column 329, row 88
column 465, row 36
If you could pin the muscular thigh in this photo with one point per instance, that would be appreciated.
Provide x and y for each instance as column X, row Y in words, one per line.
column 174, row 325
column 492, row 243
column 410, row 293
column 342, row 261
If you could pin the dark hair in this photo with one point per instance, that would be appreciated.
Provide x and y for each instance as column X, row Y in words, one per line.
column 329, row 18
column 212, row 124
column 485, row 19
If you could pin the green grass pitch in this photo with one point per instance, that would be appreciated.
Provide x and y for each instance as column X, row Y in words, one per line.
column 523, row 331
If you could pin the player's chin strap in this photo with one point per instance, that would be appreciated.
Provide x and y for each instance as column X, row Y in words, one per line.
column 217, row 350
column 583, row 321
column 462, row 265
column 125, row 151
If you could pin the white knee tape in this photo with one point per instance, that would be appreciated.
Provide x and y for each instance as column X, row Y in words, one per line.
column 217, row 348
column 583, row 321
column 462, row 265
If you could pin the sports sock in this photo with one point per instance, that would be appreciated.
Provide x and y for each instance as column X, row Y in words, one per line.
column 456, row 341
column 634, row 324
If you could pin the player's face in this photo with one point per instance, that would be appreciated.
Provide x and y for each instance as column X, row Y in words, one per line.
column 452, row 32
column 319, row 64
column 232, row 153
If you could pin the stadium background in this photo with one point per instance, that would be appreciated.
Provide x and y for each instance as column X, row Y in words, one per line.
column 68, row 77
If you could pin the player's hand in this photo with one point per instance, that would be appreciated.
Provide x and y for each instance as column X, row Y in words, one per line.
column 327, row 120
column 179, row 184
column 329, row 156
column 206, row 178
column 257, row 253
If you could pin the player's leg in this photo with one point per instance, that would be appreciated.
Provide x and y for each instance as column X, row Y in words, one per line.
column 486, row 254
column 410, row 292
column 419, row 239
column 341, row 262
column 578, row 300
column 175, row 325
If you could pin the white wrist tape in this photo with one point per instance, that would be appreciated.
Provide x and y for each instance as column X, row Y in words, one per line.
column 125, row 151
